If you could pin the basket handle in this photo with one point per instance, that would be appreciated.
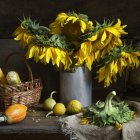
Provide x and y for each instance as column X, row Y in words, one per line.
column 25, row 61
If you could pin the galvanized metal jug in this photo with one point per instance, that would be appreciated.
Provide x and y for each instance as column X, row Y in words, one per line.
column 76, row 85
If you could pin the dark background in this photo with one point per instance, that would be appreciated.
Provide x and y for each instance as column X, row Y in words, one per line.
column 45, row 11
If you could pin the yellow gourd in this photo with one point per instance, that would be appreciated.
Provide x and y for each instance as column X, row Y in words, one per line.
column 58, row 110
column 74, row 107
column 3, row 79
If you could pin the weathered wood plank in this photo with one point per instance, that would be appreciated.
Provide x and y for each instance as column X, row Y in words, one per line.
column 28, row 126
column 35, row 122
column 33, row 137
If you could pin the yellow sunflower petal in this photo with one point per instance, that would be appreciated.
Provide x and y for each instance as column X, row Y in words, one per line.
column 113, row 31
column 17, row 31
column 19, row 36
column 48, row 54
column 103, row 37
column 36, row 53
column 101, row 74
column 74, row 19
column 93, row 37
column 83, row 26
column 43, row 53
column 118, row 24
column 30, row 52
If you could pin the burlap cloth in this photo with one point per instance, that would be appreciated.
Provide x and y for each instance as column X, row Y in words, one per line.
column 74, row 131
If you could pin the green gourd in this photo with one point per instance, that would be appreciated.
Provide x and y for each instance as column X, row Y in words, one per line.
column 13, row 78
column 49, row 102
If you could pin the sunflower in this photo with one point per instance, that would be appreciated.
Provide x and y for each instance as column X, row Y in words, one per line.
column 46, row 54
column 99, row 41
column 116, row 62
column 108, row 72
column 71, row 25
column 27, row 29
column 85, row 54
column 22, row 35
column 105, row 37
column 51, row 48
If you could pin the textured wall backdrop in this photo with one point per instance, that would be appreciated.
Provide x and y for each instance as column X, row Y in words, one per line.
column 46, row 10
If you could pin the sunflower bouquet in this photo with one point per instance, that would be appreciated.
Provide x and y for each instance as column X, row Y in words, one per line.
column 72, row 40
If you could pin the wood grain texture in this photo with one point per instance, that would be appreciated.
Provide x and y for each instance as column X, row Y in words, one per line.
column 28, row 126
column 33, row 137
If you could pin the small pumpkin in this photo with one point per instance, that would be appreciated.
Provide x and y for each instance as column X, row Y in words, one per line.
column 74, row 107
column 15, row 113
column 58, row 110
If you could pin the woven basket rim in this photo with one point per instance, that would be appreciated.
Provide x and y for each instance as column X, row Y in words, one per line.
column 20, row 84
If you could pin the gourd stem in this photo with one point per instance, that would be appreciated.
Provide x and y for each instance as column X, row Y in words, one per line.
column 108, row 105
column 49, row 114
column 52, row 94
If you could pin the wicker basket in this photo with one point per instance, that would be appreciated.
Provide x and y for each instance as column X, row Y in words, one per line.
column 27, row 93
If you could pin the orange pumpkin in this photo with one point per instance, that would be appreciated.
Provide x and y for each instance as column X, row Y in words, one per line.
column 15, row 113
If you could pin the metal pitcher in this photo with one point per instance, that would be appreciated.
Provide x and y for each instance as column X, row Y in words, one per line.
column 76, row 85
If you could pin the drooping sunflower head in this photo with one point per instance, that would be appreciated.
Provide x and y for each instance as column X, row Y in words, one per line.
column 54, row 40
column 52, row 48
column 116, row 62
column 27, row 29
column 71, row 25
column 87, row 47
column 33, row 27
column 105, row 37
column 92, row 34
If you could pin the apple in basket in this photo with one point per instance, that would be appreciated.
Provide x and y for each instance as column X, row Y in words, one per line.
column 13, row 78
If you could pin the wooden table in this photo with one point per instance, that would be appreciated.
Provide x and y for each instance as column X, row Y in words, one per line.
column 35, row 126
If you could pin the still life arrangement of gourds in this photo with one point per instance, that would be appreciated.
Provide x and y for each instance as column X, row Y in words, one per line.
column 72, row 40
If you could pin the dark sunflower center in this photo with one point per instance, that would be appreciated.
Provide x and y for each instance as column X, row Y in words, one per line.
column 72, row 30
